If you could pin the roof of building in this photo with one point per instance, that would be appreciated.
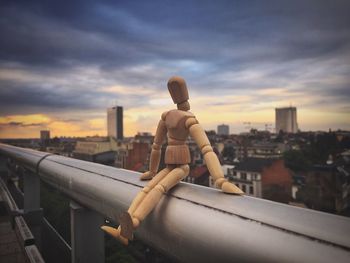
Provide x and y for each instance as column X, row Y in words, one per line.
column 198, row 171
column 252, row 164
column 298, row 179
column 92, row 148
column 137, row 166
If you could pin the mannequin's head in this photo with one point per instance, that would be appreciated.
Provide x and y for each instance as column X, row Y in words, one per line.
column 179, row 93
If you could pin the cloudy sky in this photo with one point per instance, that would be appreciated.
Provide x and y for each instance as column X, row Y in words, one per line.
column 62, row 63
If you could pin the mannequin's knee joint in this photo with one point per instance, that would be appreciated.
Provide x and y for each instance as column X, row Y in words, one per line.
column 206, row 149
column 146, row 189
column 185, row 168
column 160, row 188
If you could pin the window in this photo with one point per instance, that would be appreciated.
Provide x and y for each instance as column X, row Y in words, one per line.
column 255, row 177
column 243, row 187
column 249, row 176
column 244, row 176
column 230, row 171
column 234, row 173
column 251, row 190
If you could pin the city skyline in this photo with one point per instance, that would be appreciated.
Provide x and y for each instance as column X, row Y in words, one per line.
column 62, row 65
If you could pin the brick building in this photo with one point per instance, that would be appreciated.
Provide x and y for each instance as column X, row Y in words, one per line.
column 263, row 178
column 137, row 156
column 200, row 175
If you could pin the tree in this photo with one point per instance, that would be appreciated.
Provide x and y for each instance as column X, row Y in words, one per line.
column 296, row 160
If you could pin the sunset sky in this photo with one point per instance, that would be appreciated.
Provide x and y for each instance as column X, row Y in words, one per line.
column 63, row 63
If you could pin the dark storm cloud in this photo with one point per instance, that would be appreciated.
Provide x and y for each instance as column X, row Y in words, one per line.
column 140, row 43
column 124, row 33
column 15, row 95
column 14, row 124
column 35, row 99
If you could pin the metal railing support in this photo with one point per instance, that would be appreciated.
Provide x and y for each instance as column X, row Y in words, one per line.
column 87, row 240
column 31, row 185
column 33, row 254
column 193, row 223
column 33, row 214
column 24, row 234
column 12, row 170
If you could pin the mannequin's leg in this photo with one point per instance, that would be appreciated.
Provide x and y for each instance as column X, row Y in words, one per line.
column 153, row 197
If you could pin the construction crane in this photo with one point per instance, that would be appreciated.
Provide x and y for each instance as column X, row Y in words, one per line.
column 268, row 126
column 248, row 125
column 253, row 125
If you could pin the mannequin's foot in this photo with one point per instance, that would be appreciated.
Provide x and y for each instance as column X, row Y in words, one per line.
column 126, row 225
column 115, row 232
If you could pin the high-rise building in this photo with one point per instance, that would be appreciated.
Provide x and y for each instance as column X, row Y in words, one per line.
column 45, row 138
column 286, row 120
column 223, row 129
column 115, row 122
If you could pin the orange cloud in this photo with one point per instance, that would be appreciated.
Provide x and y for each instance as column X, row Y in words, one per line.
column 29, row 126
column 25, row 119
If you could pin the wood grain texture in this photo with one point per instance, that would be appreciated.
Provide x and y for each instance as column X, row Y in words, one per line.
column 175, row 125
column 177, row 154
column 198, row 135
column 178, row 89
column 151, row 200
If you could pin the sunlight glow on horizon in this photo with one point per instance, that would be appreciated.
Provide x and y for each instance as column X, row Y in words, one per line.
column 145, row 120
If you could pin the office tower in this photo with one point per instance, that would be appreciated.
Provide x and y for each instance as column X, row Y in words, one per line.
column 115, row 122
column 223, row 129
column 286, row 120
column 45, row 138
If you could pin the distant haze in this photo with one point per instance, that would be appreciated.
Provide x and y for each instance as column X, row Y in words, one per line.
column 62, row 64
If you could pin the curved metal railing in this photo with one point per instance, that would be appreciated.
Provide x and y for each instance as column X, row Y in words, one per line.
column 193, row 223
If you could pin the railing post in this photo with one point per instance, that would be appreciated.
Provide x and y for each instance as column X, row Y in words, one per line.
column 33, row 214
column 31, row 192
column 87, row 239
column 9, row 166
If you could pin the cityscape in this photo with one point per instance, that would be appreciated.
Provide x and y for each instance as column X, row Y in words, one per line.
column 306, row 169
column 83, row 86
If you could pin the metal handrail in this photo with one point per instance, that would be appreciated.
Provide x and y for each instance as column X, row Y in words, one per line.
column 193, row 223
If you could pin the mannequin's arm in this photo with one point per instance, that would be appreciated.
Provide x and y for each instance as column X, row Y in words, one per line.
column 156, row 151
column 211, row 160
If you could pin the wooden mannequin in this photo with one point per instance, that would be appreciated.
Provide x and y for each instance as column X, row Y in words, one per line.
column 176, row 125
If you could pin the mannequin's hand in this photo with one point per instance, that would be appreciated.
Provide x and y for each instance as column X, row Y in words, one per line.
column 230, row 188
column 147, row 176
